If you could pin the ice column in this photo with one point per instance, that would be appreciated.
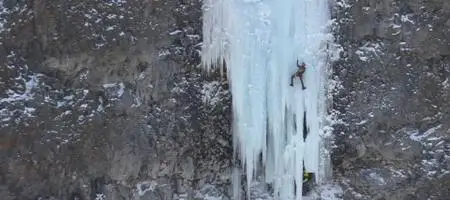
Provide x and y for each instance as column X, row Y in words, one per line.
column 260, row 41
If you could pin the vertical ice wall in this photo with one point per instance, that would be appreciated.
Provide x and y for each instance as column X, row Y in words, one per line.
column 260, row 41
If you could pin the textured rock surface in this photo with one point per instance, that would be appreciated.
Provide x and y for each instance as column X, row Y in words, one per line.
column 99, row 101
column 394, row 134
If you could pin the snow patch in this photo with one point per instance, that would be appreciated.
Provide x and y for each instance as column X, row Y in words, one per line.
column 175, row 32
column 406, row 18
column 100, row 197
column 212, row 93
column 110, row 28
column 380, row 180
column 369, row 51
column 416, row 136
column 3, row 12
column 111, row 16
column 343, row 4
column 28, row 94
column 117, row 2
column 163, row 53
column 145, row 186
column 330, row 192
column 117, row 89
column 209, row 192
column 446, row 84
column 361, row 122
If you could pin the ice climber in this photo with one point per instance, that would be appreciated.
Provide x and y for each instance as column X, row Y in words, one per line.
column 299, row 74
column 308, row 181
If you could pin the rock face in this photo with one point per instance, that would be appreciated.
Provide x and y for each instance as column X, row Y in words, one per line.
column 100, row 100
column 394, row 134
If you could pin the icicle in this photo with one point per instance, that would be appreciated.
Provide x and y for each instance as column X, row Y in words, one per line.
column 215, row 33
column 236, row 178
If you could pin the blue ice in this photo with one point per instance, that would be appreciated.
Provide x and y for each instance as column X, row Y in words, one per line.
column 260, row 41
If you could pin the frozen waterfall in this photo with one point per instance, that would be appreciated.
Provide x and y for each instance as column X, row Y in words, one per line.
column 260, row 42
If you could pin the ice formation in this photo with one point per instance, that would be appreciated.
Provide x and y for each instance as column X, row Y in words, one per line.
column 260, row 42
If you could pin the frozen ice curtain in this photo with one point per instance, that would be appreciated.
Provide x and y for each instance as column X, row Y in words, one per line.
column 260, row 41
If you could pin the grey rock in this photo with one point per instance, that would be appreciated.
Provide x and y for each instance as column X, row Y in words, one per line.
column 111, row 104
column 394, row 101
